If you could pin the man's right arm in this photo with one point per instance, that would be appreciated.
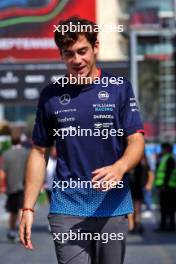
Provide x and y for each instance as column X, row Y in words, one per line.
column 34, row 178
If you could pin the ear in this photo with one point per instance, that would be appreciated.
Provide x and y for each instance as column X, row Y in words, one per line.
column 96, row 47
column 61, row 54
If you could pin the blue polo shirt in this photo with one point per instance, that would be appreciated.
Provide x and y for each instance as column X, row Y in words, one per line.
column 89, row 125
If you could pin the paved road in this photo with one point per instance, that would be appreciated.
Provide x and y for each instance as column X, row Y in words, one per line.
column 150, row 248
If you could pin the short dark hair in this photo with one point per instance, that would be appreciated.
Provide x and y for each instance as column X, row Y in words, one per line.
column 166, row 146
column 15, row 136
column 83, row 27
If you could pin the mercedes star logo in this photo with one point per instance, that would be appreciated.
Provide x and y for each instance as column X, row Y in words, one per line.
column 64, row 99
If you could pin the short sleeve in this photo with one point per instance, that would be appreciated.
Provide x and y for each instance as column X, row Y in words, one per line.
column 42, row 132
column 129, row 112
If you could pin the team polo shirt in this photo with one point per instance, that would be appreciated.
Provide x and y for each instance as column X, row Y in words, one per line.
column 87, row 114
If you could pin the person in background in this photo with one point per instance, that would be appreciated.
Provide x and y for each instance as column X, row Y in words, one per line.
column 12, row 169
column 141, row 179
column 50, row 172
column 147, row 190
column 165, row 182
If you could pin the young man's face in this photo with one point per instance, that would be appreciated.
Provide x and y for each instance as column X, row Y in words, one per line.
column 80, row 57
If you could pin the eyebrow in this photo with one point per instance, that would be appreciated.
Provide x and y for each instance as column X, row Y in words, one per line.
column 67, row 50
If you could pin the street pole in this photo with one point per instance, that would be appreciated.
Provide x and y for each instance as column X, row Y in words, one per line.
column 174, row 8
column 134, row 62
column 1, row 112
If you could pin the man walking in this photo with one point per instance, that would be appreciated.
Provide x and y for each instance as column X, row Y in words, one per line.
column 97, row 130
column 13, row 170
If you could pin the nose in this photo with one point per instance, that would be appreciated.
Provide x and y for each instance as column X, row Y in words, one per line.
column 77, row 59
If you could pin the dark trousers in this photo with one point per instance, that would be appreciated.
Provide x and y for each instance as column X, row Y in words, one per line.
column 83, row 249
column 167, row 208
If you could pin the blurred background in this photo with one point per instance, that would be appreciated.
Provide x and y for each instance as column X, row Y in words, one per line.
column 145, row 53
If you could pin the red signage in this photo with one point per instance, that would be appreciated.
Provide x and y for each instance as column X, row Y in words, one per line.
column 143, row 17
column 26, row 27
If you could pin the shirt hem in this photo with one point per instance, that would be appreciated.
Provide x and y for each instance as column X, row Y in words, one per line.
column 92, row 214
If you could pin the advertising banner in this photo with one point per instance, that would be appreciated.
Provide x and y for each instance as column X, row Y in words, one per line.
column 26, row 26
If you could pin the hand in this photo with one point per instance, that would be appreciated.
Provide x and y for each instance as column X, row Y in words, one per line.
column 148, row 187
column 26, row 221
column 2, row 189
column 107, row 177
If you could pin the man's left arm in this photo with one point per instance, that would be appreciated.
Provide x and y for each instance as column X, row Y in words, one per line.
column 131, row 157
column 133, row 153
column 131, row 123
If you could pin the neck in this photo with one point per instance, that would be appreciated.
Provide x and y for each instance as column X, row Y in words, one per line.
column 93, row 73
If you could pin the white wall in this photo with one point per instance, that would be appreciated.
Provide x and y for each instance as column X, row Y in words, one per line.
column 107, row 13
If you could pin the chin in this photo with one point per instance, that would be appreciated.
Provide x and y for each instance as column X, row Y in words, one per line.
column 83, row 74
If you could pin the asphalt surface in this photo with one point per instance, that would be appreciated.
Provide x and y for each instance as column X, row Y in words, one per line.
column 149, row 248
